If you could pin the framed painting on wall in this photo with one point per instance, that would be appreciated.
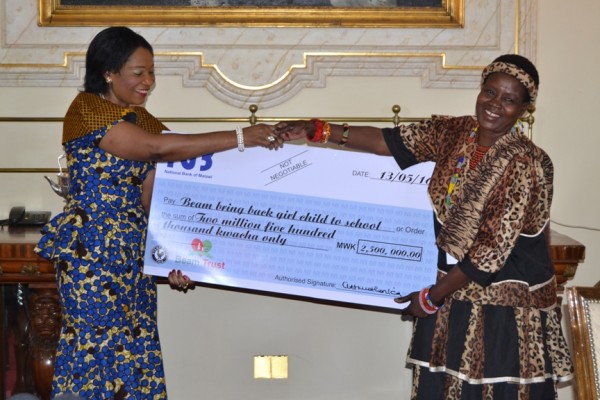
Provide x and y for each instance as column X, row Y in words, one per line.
column 299, row 13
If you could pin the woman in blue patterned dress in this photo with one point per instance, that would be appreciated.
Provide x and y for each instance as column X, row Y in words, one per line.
column 109, row 346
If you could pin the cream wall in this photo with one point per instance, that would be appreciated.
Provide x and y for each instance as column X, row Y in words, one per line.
column 210, row 336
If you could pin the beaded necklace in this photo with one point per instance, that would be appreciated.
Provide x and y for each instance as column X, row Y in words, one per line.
column 458, row 169
column 517, row 128
column 478, row 155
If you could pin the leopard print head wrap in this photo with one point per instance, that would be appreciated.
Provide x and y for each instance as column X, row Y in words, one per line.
column 513, row 70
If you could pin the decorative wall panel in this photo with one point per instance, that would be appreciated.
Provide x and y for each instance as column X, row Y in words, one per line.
column 269, row 65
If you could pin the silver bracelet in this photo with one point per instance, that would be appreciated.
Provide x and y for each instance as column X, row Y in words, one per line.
column 240, row 138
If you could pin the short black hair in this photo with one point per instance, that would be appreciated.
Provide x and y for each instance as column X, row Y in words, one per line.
column 108, row 51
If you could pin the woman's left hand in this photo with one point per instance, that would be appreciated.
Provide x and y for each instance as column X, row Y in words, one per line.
column 414, row 308
column 294, row 130
column 179, row 281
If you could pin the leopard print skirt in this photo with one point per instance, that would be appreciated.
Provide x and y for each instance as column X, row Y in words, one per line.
column 478, row 349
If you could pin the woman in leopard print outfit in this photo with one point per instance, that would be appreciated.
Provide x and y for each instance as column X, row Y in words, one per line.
column 489, row 328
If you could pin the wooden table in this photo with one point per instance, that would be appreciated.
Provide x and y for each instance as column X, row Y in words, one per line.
column 30, row 316
column 566, row 253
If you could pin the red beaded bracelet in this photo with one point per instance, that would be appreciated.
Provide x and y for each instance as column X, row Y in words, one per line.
column 425, row 302
column 318, row 135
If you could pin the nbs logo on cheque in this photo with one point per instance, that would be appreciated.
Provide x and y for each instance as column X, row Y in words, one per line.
column 192, row 167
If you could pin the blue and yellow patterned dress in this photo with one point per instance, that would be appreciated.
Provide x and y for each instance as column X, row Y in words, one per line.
column 109, row 346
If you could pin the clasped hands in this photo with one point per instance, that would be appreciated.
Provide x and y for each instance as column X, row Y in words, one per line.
column 273, row 136
column 294, row 130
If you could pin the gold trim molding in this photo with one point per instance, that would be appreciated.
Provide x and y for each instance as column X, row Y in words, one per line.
column 72, row 57
column 449, row 15
column 395, row 119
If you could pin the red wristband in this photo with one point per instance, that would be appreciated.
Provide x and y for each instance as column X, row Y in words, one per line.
column 318, row 135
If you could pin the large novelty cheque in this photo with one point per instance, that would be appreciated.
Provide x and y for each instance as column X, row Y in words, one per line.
column 313, row 222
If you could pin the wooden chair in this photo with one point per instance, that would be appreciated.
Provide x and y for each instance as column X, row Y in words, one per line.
column 584, row 311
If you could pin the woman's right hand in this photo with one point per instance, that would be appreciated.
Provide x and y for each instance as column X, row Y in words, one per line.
column 262, row 135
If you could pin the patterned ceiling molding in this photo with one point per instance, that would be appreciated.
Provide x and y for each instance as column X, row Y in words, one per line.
column 268, row 66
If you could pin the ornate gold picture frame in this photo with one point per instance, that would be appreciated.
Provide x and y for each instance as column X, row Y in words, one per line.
column 446, row 14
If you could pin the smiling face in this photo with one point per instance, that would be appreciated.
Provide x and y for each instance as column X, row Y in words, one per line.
column 501, row 102
column 131, row 85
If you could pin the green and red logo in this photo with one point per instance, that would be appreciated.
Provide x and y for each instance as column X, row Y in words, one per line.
column 201, row 248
